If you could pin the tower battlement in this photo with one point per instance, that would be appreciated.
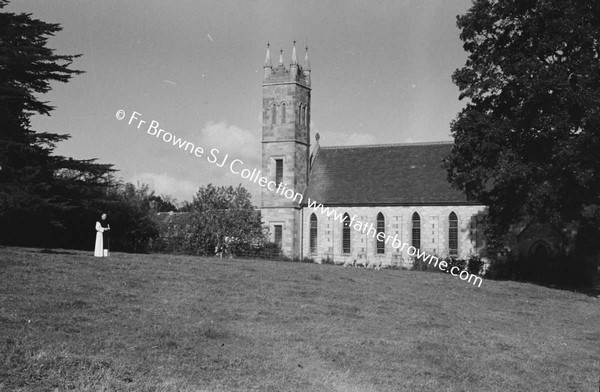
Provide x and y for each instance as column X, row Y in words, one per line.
column 295, row 73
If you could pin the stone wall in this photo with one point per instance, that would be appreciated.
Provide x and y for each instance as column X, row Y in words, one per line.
column 290, row 220
column 398, row 221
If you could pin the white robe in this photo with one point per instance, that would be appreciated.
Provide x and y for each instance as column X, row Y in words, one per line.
column 99, row 249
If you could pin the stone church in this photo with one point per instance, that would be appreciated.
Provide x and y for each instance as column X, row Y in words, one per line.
column 399, row 189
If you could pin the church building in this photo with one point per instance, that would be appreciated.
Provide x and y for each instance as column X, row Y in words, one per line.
column 398, row 189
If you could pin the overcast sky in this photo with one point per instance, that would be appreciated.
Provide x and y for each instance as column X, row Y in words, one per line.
column 381, row 73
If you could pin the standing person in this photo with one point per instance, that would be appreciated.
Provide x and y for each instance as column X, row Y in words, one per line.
column 219, row 250
column 102, row 241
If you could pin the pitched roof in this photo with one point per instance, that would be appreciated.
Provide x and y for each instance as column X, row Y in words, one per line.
column 397, row 174
column 174, row 224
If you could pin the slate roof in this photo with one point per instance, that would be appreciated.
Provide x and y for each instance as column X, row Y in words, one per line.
column 397, row 174
column 174, row 224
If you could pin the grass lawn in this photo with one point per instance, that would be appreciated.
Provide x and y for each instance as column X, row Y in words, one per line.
column 69, row 321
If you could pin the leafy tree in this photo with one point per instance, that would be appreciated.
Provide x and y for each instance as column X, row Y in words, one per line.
column 221, row 212
column 528, row 140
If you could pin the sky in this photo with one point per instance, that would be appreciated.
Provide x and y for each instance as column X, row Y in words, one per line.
column 381, row 73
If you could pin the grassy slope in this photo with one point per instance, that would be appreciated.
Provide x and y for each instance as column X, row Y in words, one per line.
column 179, row 323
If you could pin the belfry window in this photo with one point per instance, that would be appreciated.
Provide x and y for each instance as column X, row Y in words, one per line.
column 380, row 229
column 305, row 115
column 416, row 231
column 453, row 234
column 278, row 171
column 346, row 234
column 313, row 233
column 283, row 108
column 273, row 115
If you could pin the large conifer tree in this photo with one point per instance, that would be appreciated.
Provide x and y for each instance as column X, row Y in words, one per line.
column 41, row 194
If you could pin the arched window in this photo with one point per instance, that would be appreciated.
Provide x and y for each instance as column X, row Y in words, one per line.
column 306, row 115
column 300, row 115
column 313, row 233
column 278, row 171
column 283, row 107
column 274, row 114
column 416, row 231
column 453, row 234
column 380, row 229
column 346, row 234
column 539, row 251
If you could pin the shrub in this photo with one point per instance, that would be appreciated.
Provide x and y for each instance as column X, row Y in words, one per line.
column 503, row 267
column 424, row 265
column 475, row 265
column 461, row 264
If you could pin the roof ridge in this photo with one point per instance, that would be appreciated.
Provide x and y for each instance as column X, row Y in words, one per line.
column 389, row 145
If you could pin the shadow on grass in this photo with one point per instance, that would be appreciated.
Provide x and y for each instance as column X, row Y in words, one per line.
column 589, row 291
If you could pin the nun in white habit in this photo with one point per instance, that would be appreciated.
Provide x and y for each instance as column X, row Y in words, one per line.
column 102, row 241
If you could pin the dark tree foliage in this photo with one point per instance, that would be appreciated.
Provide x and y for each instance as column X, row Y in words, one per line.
column 37, row 189
column 45, row 199
column 132, row 219
column 527, row 144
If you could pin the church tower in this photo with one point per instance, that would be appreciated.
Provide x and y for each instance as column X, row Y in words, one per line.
column 285, row 147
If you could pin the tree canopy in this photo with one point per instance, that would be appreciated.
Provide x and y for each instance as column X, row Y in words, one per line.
column 221, row 212
column 527, row 143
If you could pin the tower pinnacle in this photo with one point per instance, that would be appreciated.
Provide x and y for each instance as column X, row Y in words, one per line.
column 268, row 57
column 294, row 58
column 306, row 62
column 281, row 57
